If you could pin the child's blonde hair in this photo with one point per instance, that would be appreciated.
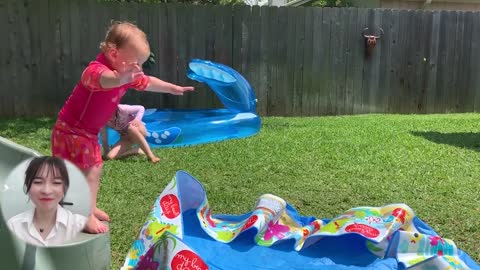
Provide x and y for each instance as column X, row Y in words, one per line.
column 120, row 33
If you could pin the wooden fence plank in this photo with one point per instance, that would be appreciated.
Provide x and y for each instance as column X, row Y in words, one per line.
column 474, row 67
column 200, row 99
column 446, row 45
column 413, row 58
column 442, row 68
column 353, row 42
column 223, row 35
column 466, row 95
column 308, row 95
column 316, row 63
column 299, row 48
column 432, row 63
column 11, row 67
column 23, row 98
column 74, row 15
column 6, row 104
column 154, row 100
column 385, row 74
column 273, row 60
column 359, row 62
column 340, row 44
column 456, row 67
column 371, row 69
column 180, row 24
column 331, row 97
column 46, row 83
column 421, row 64
column 69, row 79
column 279, row 99
column 289, row 75
column 254, row 57
column 55, row 93
column 209, row 53
column 264, row 83
column 246, row 33
column 452, row 54
column 237, row 38
column 222, row 41
column 464, row 40
column 402, row 83
column 335, row 51
column 167, row 101
column 324, row 74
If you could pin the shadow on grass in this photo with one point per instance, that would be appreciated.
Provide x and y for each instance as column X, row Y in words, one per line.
column 470, row 140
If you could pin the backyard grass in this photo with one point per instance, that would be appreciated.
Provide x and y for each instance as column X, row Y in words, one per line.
column 321, row 165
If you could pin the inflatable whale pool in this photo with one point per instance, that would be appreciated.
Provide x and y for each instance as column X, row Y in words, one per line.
column 171, row 128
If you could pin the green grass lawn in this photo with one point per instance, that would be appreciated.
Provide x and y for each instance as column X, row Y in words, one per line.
column 322, row 165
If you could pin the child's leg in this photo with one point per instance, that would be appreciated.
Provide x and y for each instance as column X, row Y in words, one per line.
column 132, row 151
column 136, row 136
column 143, row 130
column 94, row 225
column 65, row 142
column 104, row 135
column 120, row 149
column 124, row 148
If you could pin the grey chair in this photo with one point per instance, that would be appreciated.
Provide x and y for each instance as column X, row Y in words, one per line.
column 84, row 252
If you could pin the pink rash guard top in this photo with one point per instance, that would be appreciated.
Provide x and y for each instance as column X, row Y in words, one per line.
column 90, row 106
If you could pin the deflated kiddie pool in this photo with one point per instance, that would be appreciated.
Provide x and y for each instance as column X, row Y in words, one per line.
column 84, row 252
column 174, row 127
column 182, row 232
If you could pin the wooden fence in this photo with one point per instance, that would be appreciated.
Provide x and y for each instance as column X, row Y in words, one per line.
column 300, row 61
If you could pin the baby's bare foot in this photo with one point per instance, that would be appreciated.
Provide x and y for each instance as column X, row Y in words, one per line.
column 154, row 159
column 100, row 215
column 95, row 226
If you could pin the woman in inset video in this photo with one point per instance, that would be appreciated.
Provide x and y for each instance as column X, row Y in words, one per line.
column 48, row 223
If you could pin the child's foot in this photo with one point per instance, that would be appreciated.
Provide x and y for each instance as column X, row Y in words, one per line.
column 154, row 159
column 140, row 151
column 100, row 215
column 95, row 226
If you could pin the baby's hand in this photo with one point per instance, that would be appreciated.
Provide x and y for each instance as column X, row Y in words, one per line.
column 129, row 73
column 179, row 90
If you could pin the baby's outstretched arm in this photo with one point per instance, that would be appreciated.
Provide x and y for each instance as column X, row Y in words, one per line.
column 159, row 86
column 98, row 77
column 113, row 78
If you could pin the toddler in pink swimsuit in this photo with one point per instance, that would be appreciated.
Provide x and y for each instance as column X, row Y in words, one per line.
column 127, row 121
column 94, row 101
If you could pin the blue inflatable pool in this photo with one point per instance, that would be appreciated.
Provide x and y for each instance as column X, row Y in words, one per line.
column 170, row 128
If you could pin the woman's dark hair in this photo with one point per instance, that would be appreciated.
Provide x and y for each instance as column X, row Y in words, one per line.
column 57, row 167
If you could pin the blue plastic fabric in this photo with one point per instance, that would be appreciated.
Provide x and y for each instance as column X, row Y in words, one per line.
column 232, row 89
column 244, row 253
column 172, row 128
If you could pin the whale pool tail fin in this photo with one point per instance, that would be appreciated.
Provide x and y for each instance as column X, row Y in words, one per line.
column 232, row 89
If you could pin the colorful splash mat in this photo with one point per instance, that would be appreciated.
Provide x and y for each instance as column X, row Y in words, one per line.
column 181, row 233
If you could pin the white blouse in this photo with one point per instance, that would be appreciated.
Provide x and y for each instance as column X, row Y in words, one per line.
column 66, row 227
